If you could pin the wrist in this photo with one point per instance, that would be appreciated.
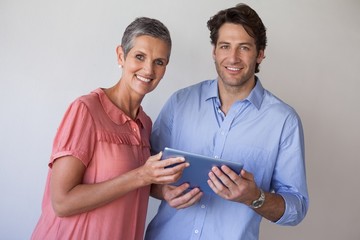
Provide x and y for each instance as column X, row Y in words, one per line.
column 259, row 202
column 157, row 191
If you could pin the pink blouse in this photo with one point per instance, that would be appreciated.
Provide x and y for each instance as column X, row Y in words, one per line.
column 108, row 143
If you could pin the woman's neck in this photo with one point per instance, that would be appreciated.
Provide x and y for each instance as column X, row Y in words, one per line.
column 124, row 100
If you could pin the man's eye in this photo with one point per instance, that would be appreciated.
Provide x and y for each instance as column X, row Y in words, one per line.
column 224, row 47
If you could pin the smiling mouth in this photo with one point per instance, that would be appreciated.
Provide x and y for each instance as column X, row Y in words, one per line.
column 233, row 68
column 143, row 79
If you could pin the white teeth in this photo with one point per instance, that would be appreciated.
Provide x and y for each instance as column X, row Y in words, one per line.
column 143, row 79
column 233, row 69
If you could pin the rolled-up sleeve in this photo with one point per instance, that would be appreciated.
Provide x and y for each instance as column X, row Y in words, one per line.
column 296, row 207
column 289, row 179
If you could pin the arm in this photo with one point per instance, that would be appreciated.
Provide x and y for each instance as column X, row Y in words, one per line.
column 70, row 196
column 287, row 204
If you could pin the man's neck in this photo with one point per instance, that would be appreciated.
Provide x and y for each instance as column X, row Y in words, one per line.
column 230, row 94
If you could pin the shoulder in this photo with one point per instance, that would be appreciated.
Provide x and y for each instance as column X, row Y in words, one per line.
column 90, row 98
column 279, row 107
column 81, row 108
column 204, row 85
column 90, row 101
column 193, row 91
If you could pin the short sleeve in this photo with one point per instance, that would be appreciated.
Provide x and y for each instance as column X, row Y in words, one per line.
column 76, row 134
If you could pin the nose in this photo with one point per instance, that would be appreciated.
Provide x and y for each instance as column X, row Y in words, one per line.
column 148, row 67
column 234, row 55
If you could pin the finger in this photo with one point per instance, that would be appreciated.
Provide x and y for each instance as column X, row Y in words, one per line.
column 212, row 186
column 155, row 157
column 224, row 190
column 231, row 174
column 166, row 179
column 221, row 191
column 215, row 182
column 223, row 178
column 196, row 198
column 218, row 187
column 177, row 169
column 168, row 176
column 163, row 175
column 247, row 175
column 171, row 161
column 173, row 192
column 187, row 199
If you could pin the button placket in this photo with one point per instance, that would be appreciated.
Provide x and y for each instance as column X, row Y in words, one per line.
column 134, row 129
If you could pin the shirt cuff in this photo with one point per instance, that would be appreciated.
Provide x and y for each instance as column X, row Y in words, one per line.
column 295, row 209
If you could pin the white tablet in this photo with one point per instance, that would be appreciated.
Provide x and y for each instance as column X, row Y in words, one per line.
column 200, row 166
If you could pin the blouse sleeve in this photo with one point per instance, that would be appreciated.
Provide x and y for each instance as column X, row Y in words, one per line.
column 76, row 134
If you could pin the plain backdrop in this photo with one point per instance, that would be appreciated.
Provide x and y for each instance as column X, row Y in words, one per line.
column 54, row 51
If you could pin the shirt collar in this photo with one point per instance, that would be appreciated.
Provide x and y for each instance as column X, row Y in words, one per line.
column 255, row 97
column 212, row 91
column 114, row 113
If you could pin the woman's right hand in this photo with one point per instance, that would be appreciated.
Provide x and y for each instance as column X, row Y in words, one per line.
column 157, row 171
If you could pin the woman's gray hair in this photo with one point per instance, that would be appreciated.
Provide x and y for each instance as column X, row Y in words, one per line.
column 144, row 26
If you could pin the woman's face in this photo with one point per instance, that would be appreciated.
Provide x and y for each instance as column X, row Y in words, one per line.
column 145, row 64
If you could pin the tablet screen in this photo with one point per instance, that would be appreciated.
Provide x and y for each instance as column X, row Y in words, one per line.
column 200, row 166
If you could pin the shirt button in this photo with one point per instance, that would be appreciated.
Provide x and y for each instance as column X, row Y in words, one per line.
column 216, row 156
column 196, row 231
column 203, row 206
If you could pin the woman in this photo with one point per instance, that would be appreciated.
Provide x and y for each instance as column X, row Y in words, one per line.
column 100, row 168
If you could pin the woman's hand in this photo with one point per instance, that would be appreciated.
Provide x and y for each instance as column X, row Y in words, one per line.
column 157, row 171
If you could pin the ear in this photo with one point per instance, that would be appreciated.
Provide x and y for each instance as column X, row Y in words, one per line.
column 120, row 55
column 213, row 52
column 260, row 57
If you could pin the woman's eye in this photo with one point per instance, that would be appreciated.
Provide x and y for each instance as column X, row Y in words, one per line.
column 139, row 57
column 159, row 62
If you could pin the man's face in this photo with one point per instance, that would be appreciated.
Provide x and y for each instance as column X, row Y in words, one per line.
column 235, row 56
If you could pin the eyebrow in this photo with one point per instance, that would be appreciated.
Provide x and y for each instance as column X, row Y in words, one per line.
column 143, row 53
column 242, row 43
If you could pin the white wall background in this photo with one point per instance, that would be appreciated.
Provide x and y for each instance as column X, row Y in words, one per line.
column 54, row 51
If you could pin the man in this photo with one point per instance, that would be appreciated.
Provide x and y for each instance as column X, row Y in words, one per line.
column 233, row 118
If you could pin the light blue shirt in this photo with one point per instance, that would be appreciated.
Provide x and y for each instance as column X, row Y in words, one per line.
column 261, row 131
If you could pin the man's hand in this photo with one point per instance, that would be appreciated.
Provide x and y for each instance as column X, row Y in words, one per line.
column 231, row 186
column 177, row 197
column 242, row 188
